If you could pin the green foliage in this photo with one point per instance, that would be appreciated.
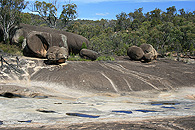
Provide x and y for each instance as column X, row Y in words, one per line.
column 69, row 13
column 10, row 15
column 84, row 46
column 47, row 11
column 20, row 41
column 25, row 18
column 76, row 58
column 167, row 31
column 105, row 58
column 11, row 49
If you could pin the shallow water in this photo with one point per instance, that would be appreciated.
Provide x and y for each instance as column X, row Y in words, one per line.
column 95, row 107
column 82, row 115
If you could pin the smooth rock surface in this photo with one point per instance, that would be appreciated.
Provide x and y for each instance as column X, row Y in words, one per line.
column 79, row 95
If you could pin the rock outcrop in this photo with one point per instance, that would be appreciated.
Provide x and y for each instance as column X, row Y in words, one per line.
column 37, row 43
column 92, row 91
column 149, row 52
column 148, row 57
column 57, row 55
column 88, row 54
column 135, row 53
column 74, row 41
column 145, row 52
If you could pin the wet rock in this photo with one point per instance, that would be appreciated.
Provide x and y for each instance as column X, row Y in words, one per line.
column 45, row 111
column 1, row 122
column 135, row 53
column 146, row 111
column 122, row 111
column 88, row 54
column 10, row 95
column 82, row 115
column 27, row 121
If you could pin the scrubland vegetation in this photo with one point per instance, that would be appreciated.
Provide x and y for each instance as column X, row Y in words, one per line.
column 169, row 31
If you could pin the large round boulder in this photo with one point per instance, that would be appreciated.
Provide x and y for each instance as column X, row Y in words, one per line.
column 135, row 53
column 74, row 41
column 16, row 35
column 39, row 42
column 88, row 54
column 57, row 54
column 147, row 48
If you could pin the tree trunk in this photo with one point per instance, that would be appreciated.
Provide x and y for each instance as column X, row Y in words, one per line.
column 6, row 37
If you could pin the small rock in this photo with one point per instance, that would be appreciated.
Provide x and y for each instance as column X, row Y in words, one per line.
column 88, row 54
column 57, row 54
column 135, row 53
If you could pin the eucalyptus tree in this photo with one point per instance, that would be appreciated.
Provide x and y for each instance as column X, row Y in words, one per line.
column 123, row 22
column 47, row 11
column 10, row 15
column 69, row 13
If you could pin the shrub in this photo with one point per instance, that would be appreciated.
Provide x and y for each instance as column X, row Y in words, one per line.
column 76, row 58
column 21, row 39
column 105, row 58
column 84, row 46
column 11, row 49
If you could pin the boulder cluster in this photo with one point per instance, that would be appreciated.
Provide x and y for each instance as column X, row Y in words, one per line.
column 145, row 52
column 55, row 45
column 88, row 54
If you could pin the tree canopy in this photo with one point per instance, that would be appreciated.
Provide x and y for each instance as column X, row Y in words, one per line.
column 10, row 15
column 166, row 31
column 170, row 30
column 69, row 13
column 47, row 11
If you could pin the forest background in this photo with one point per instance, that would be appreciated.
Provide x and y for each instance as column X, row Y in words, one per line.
column 172, row 30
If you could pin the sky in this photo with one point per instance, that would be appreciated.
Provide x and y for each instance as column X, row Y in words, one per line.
column 108, row 9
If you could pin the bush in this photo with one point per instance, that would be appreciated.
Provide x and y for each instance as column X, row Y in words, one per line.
column 21, row 39
column 11, row 49
column 84, row 46
column 76, row 58
column 105, row 58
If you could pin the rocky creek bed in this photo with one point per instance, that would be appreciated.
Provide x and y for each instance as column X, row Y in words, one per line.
column 122, row 94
